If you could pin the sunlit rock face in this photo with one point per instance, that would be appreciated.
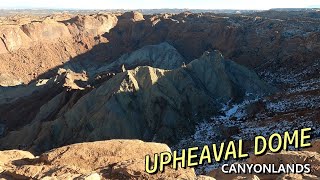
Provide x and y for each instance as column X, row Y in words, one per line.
column 117, row 159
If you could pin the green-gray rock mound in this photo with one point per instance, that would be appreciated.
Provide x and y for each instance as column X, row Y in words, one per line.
column 144, row 103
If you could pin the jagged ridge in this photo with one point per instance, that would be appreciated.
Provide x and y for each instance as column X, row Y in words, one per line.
column 145, row 103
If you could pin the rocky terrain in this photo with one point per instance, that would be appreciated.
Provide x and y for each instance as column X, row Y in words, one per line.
column 124, row 159
column 310, row 156
column 255, row 40
column 185, row 79
column 114, row 159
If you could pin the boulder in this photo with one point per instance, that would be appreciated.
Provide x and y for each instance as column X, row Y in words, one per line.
column 8, row 80
column 9, row 156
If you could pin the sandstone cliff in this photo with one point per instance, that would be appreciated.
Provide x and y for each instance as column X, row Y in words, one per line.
column 266, row 42
column 36, row 45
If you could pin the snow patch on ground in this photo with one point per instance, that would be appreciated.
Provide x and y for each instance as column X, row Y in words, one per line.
column 209, row 131
column 296, row 106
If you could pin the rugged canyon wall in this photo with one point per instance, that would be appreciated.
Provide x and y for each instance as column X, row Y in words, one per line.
column 38, row 44
column 32, row 47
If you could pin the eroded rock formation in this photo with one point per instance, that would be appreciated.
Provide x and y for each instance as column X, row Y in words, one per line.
column 31, row 46
column 145, row 103
column 36, row 45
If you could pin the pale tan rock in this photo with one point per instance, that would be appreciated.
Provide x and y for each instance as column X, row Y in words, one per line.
column 218, row 174
column 14, row 38
column 297, row 177
column 47, row 30
column 67, row 176
column 202, row 177
column 12, row 155
column 111, row 151
column 134, row 16
column 97, row 24
column 24, row 171
column 93, row 176
column 8, row 80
